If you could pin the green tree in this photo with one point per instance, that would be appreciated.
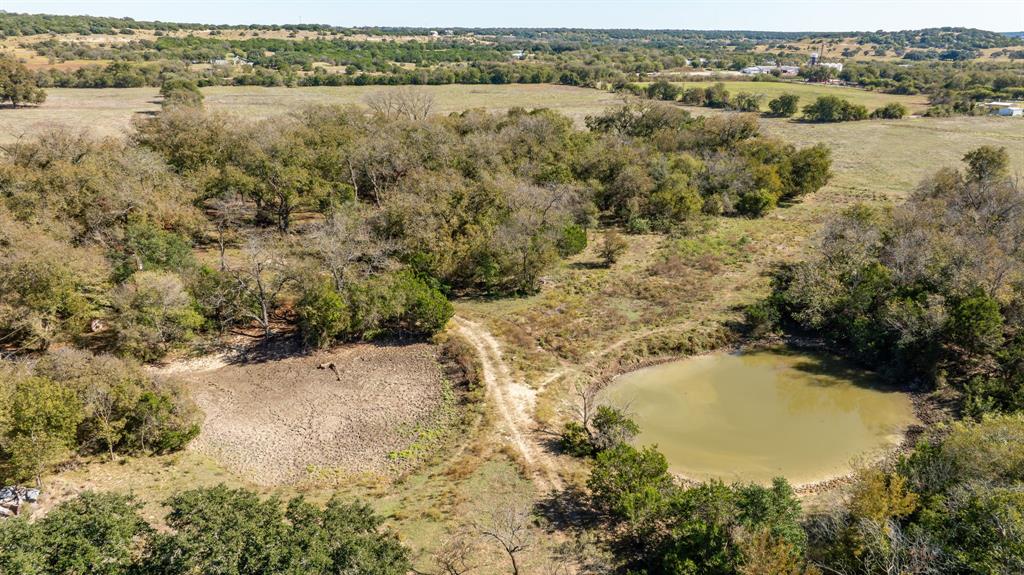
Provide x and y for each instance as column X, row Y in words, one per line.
column 784, row 105
column 892, row 111
column 152, row 313
column 834, row 109
column 17, row 85
column 93, row 534
column 987, row 162
column 630, row 485
column 324, row 315
column 42, row 422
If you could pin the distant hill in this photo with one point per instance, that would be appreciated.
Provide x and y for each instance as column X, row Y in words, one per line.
column 14, row 24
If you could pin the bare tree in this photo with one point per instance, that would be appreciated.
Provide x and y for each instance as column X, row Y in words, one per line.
column 508, row 521
column 585, row 401
column 457, row 553
column 345, row 244
column 226, row 214
column 261, row 278
column 405, row 102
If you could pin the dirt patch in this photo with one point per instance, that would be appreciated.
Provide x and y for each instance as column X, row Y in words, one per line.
column 273, row 422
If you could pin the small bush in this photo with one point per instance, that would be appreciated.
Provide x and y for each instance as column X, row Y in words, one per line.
column 893, row 111
column 572, row 241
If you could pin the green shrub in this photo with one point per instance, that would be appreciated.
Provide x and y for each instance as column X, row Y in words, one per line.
column 755, row 203
column 323, row 314
column 834, row 109
column 893, row 111
column 784, row 106
column 572, row 241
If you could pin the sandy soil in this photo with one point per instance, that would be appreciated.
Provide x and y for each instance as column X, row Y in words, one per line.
column 515, row 402
column 273, row 421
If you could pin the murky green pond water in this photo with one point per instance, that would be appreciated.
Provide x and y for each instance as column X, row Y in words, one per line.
column 754, row 416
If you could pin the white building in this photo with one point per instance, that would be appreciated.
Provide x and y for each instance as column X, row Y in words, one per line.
column 784, row 70
column 1010, row 109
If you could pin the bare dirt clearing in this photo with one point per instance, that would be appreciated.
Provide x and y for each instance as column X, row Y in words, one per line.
column 272, row 422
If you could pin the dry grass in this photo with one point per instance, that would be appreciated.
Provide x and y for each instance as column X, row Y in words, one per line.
column 109, row 112
column 809, row 92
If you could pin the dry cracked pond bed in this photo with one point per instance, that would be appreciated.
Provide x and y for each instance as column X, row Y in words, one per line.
column 274, row 422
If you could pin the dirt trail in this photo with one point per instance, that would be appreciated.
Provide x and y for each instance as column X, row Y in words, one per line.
column 515, row 403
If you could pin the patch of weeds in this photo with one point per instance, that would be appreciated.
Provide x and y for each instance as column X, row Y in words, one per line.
column 429, row 437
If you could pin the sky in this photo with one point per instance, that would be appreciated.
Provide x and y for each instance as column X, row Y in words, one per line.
column 775, row 15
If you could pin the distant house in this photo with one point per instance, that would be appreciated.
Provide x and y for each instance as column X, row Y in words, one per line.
column 1009, row 109
column 229, row 61
column 837, row 66
column 784, row 70
column 518, row 54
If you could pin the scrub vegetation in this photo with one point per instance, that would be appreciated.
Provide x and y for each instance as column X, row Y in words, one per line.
column 260, row 319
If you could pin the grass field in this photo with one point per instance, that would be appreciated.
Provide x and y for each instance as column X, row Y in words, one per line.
column 809, row 92
column 108, row 112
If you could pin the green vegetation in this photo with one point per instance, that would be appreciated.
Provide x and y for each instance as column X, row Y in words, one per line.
column 216, row 530
column 17, row 85
column 915, row 291
column 784, row 106
column 833, row 109
column 74, row 402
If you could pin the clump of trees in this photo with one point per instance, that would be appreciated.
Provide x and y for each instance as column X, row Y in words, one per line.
column 954, row 505
column 834, row 109
column 17, row 84
column 929, row 292
column 661, row 526
column 74, row 402
column 347, row 224
column 694, row 166
column 212, row 530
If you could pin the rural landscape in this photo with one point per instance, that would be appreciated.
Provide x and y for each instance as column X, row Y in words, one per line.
column 324, row 299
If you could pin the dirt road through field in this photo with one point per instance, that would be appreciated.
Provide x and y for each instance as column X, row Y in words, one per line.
column 514, row 402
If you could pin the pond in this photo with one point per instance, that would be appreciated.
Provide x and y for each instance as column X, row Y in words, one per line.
column 757, row 415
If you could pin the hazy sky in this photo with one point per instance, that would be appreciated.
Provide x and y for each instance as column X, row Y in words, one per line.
column 786, row 15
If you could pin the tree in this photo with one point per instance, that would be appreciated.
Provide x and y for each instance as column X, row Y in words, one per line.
column 987, row 162
column 17, row 85
column 94, row 534
column 784, row 105
column 613, row 245
column 629, row 485
column 260, row 279
column 806, row 171
column 178, row 91
column 406, row 102
column 323, row 314
column 746, row 102
column 508, row 522
column 42, row 421
column 834, row 109
column 152, row 313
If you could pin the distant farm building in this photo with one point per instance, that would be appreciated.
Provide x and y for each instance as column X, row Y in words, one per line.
column 783, row 70
column 1009, row 109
